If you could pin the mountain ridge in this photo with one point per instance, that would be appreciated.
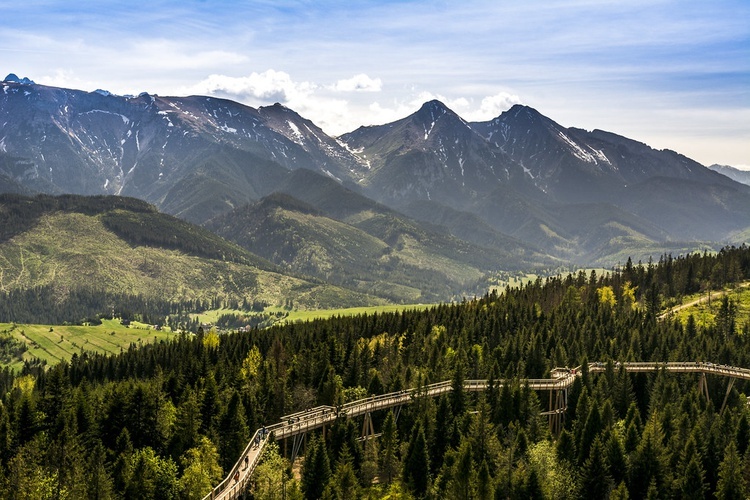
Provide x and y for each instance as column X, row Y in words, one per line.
column 519, row 177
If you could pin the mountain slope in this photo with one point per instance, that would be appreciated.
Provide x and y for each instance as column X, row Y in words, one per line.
column 125, row 246
column 742, row 176
column 432, row 154
column 156, row 148
column 345, row 238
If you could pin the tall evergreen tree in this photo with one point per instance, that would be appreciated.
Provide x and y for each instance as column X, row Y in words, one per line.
column 316, row 470
column 648, row 462
column 692, row 485
column 457, row 395
column 596, row 481
column 235, row 433
column 416, row 471
column 389, row 450
column 343, row 484
column 731, row 483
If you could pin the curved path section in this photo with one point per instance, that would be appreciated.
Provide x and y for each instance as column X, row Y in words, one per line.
column 299, row 423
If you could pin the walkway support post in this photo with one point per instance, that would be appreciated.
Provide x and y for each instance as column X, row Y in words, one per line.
column 726, row 396
column 368, row 430
column 703, row 387
column 558, row 403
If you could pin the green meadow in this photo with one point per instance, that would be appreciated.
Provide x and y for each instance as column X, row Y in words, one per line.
column 294, row 315
column 704, row 312
column 54, row 343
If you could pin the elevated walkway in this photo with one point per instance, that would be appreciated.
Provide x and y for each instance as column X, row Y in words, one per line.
column 299, row 423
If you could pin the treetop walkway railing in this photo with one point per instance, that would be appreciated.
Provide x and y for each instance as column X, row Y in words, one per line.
column 562, row 379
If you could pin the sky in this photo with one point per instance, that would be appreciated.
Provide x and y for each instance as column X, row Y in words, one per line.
column 674, row 74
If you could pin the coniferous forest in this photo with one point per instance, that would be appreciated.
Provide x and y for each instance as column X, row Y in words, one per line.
column 169, row 420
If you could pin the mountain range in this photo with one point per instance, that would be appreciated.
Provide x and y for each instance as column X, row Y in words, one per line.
column 741, row 176
column 416, row 209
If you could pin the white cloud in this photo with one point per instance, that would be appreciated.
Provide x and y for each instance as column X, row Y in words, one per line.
column 359, row 83
column 492, row 106
column 257, row 88
column 262, row 89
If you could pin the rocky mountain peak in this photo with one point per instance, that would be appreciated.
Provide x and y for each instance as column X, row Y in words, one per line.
column 13, row 78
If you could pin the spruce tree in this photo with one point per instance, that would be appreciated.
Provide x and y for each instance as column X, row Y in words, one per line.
column 343, row 484
column 692, row 485
column 731, row 483
column 389, row 450
column 417, row 463
column 316, row 470
column 595, row 479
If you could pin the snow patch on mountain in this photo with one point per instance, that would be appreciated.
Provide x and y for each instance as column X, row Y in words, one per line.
column 577, row 150
column 296, row 132
column 427, row 132
column 228, row 129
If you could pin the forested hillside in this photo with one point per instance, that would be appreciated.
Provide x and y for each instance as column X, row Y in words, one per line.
column 168, row 420
column 71, row 258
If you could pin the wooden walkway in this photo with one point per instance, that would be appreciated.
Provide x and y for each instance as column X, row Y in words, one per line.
column 562, row 379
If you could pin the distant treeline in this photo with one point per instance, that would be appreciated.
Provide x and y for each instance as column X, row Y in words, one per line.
column 56, row 306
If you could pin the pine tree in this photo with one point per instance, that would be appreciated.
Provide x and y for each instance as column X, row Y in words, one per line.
column 484, row 483
column 235, row 433
column 591, row 430
column 595, row 479
column 565, row 449
column 99, row 483
column 731, row 483
column 316, row 470
column 417, row 463
column 389, row 450
column 692, row 485
column 343, row 484
column 743, row 434
column 463, row 477
column 615, row 455
column 457, row 395
column 648, row 462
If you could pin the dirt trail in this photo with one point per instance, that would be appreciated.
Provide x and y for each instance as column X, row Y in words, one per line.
column 704, row 298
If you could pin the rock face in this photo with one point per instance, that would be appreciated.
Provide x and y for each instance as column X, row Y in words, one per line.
column 186, row 155
column 522, row 173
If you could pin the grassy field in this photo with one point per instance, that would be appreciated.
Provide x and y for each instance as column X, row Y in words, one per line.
column 297, row 315
column 55, row 343
column 70, row 250
column 352, row 311
column 704, row 312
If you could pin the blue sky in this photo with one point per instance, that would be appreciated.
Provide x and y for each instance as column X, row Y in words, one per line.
column 672, row 74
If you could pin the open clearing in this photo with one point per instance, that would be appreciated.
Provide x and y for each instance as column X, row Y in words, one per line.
column 53, row 343
column 704, row 311
column 293, row 315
